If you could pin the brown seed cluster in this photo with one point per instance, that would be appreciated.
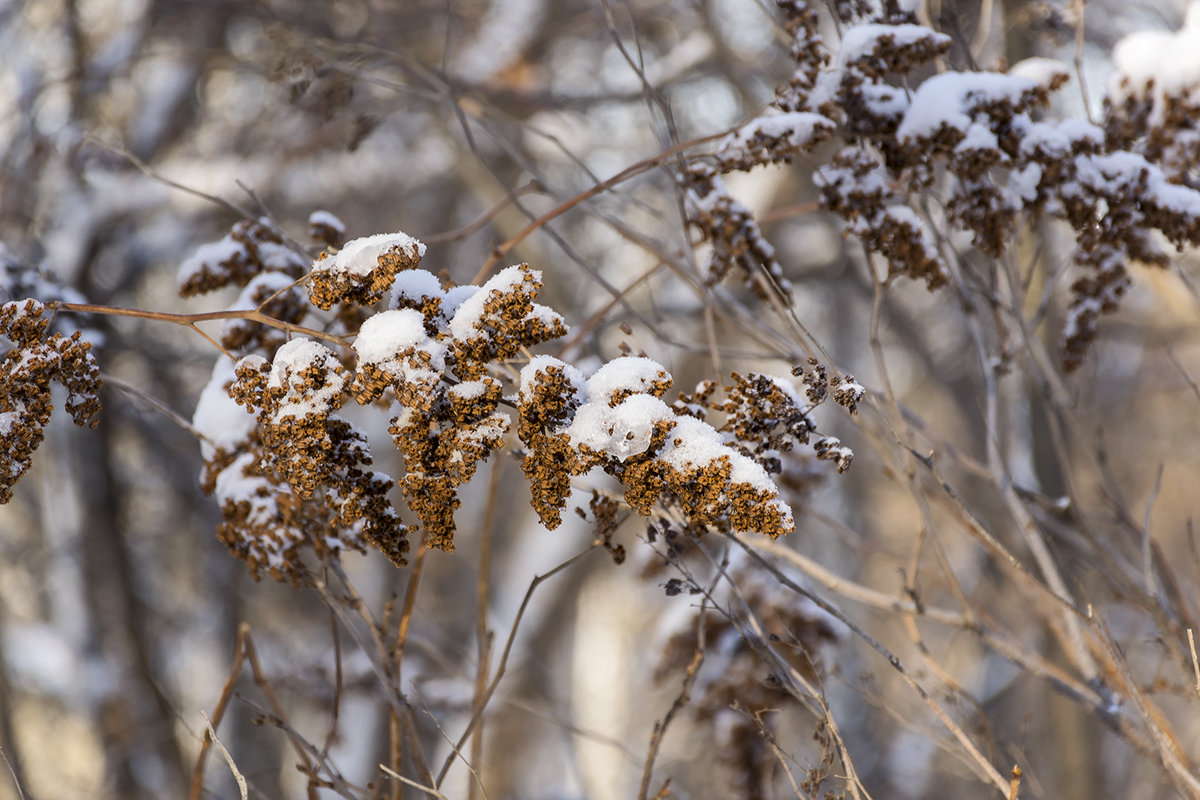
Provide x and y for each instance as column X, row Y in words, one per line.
column 39, row 357
column 730, row 229
column 665, row 456
column 331, row 283
column 308, row 467
column 292, row 476
column 251, row 248
column 975, row 137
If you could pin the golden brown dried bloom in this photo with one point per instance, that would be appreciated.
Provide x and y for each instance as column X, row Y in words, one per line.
column 362, row 271
column 500, row 319
column 251, row 248
column 433, row 352
column 296, row 479
column 36, row 359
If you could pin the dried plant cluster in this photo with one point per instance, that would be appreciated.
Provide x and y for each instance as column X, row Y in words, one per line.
column 358, row 395
column 38, row 358
column 435, row 360
column 974, row 140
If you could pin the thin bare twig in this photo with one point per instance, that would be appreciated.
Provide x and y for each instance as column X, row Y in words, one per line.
column 13, row 771
column 238, row 777
column 502, row 666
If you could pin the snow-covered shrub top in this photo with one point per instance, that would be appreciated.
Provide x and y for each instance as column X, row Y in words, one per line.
column 973, row 136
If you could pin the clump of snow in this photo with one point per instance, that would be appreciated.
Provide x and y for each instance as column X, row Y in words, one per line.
column 694, row 444
column 626, row 374
column 1170, row 59
column 414, row 285
column 224, row 424
column 468, row 316
column 361, row 256
column 300, row 398
column 234, row 485
column 797, row 128
column 217, row 252
column 454, row 297
column 388, row 334
column 324, row 219
column 620, row 432
column 1045, row 71
column 952, row 100
column 862, row 41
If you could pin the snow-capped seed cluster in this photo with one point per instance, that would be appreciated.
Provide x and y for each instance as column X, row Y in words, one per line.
column 251, row 248
column 283, row 465
column 668, row 456
column 363, row 270
column 318, row 456
column 855, row 186
column 773, row 139
column 433, row 352
column 975, row 135
column 1153, row 106
column 39, row 357
column 327, row 229
column 730, row 229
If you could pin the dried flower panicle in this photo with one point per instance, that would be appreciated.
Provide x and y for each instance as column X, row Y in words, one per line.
column 363, row 270
column 251, row 248
column 288, row 473
column 326, row 228
column 38, row 357
column 730, row 228
column 433, row 352
column 975, row 134
column 617, row 421
column 283, row 464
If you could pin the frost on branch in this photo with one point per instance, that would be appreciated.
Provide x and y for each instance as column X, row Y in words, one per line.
column 38, row 357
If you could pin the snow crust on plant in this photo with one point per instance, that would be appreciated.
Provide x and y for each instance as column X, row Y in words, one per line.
column 859, row 41
column 951, row 99
column 216, row 252
column 224, row 424
column 327, row 220
column 454, row 297
column 302, row 399
column 695, row 444
column 415, row 284
column 798, row 128
column 542, row 363
column 625, row 374
column 1045, row 71
column 235, row 486
column 620, row 432
column 467, row 321
column 1171, row 59
column 361, row 256
column 388, row 334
